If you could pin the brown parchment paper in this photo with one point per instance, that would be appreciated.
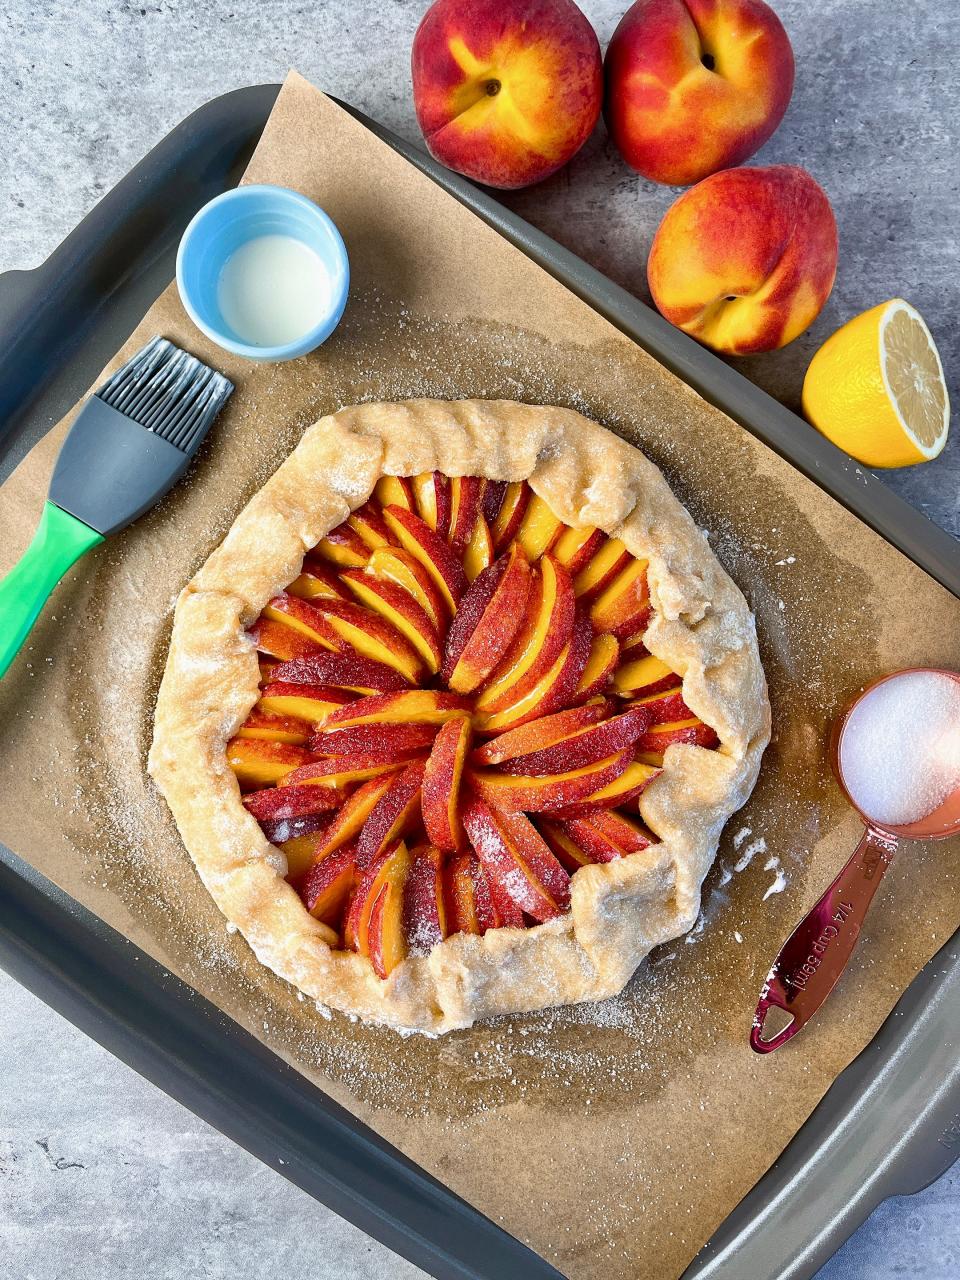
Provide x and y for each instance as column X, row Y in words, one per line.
column 613, row 1138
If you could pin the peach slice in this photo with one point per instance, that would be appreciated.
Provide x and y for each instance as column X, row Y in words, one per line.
column 346, row 671
column 384, row 742
column 600, row 668
column 603, row 837
column 591, row 843
column 666, row 706
column 285, row 804
column 367, row 524
column 312, row 702
column 304, row 617
column 373, row 924
column 629, row 835
column 642, row 676
column 412, row 706
column 343, row 624
column 601, row 569
column 441, row 784
column 563, row 846
column 510, row 516
column 424, row 908
column 462, row 877
column 623, row 607
column 392, row 815
column 348, row 821
column 489, row 617
column 583, row 747
column 328, row 884
column 552, row 690
column 537, row 734
column 633, row 648
column 343, row 547
column 298, row 838
column 465, row 492
column 491, row 499
column 262, row 725
column 513, row 793
column 660, row 736
column 623, row 790
column 432, row 493
column 539, row 529
column 259, row 764
column 473, row 904
column 395, row 491
column 517, row 859
column 356, row 918
column 575, row 548
column 546, row 630
column 387, row 945
column 399, row 608
column 479, row 551
column 433, row 552
column 316, row 579
column 342, row 773
column 406, row 571
column 300, row 845
column 282, row 642
column 267, row 667
column 505, row 913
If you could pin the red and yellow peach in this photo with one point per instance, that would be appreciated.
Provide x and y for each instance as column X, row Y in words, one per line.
column 506, row 91
column 694, row 86
column 745, row 260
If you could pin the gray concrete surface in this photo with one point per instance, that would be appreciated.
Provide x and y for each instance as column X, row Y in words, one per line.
column 101, row 1175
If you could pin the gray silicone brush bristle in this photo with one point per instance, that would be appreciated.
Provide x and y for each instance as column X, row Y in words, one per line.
column 169, row 392
column 136, row 435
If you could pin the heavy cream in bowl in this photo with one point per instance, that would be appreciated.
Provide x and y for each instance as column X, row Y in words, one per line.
column 273, row 290
column 263, row 272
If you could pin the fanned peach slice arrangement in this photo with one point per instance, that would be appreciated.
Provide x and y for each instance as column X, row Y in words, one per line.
column 457, row 713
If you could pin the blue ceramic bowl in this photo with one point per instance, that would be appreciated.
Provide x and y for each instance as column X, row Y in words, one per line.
column 229, row 221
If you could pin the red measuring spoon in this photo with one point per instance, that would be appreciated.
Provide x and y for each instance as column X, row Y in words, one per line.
column 814, row 956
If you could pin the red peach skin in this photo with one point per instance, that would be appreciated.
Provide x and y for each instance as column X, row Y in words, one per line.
column 694, row 86
column 506, row 91
column 745, row 260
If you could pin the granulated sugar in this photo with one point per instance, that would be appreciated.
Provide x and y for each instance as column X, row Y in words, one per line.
column 900, row 750
column 779, row 879
column 749, row 853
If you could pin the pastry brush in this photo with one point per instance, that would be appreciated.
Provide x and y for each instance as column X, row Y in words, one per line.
column 131, row 442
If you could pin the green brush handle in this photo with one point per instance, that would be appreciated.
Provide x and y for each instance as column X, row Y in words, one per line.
column 60, row 540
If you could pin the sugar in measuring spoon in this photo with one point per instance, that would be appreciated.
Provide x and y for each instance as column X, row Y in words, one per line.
column 896, row 754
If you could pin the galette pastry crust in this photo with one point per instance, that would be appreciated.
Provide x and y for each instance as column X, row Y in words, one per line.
column 701, row 626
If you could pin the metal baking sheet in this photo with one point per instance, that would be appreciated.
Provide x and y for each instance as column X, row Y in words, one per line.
column 889, row 1124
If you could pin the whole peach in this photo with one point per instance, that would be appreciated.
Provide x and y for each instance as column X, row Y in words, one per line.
column 694, row 86
column 506, row 91
column 745, row 260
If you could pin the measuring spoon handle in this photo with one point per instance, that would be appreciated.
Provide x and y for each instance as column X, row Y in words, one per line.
column 814, row 956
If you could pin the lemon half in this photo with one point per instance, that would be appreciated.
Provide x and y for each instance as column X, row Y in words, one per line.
column 876, row 388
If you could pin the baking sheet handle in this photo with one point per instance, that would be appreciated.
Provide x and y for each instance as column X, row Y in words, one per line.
column 155, row 1023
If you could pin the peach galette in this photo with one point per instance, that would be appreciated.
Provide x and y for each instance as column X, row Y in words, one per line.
column 453, row 717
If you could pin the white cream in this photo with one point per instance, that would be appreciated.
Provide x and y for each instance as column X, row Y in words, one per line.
column 273, row 290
